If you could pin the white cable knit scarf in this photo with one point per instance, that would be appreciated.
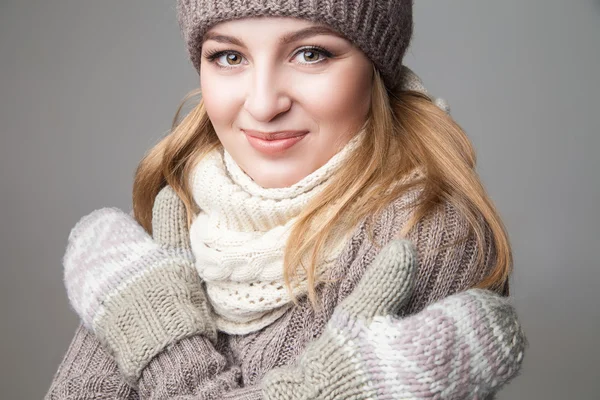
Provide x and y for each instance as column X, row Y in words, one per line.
column 238, row 238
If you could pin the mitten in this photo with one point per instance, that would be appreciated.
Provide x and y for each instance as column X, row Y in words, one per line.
column 137, row 295
column 463, row 347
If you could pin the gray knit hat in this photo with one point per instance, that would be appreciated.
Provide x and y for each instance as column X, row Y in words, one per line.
column 382, row 29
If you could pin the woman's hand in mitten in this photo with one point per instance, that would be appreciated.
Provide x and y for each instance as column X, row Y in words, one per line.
column 464, row 346
column 136, row 294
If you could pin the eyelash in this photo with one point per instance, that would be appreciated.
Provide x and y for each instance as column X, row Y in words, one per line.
column 212, row 56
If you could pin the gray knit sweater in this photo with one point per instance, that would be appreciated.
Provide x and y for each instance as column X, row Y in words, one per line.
column 234, row 368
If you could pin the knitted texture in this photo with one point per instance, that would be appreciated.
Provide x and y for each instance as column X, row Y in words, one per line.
column 238, row 238
column 381, row 29
column 88, row 372
column 464, row 346
column 443, row 270
column 134, row 294
column 192, row 366
column 447, row 254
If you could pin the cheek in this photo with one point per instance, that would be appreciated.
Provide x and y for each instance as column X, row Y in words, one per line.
column 219, row 98
column 340, row 96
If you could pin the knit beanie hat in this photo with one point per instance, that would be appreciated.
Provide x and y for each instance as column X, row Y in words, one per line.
column 382, row 29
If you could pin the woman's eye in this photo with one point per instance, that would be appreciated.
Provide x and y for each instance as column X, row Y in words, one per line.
column 230, row 59
column 313, row 55
column 224, row 59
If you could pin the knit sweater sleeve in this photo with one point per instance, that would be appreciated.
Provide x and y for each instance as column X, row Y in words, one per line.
column 447, row 252
column 87, row 372
column 190, row 369
column 446, row 248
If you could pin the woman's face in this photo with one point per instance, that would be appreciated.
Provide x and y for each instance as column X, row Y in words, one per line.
column 266, row 75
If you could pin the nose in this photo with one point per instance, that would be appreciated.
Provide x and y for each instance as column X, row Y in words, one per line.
column 267, row 95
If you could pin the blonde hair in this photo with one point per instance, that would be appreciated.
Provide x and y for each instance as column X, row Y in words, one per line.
column 405, row 130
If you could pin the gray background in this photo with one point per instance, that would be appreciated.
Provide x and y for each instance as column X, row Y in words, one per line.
column 86, row 87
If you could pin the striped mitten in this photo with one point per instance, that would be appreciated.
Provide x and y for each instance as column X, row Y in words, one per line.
column 136, row 294
column 465, row 346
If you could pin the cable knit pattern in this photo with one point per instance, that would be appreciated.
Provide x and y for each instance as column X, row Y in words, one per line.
column 239, row 236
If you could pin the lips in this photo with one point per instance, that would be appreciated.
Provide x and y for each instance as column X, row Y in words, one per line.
column 274, row 135
column 277, row 143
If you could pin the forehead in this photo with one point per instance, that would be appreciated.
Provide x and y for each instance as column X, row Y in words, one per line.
column 286, row 29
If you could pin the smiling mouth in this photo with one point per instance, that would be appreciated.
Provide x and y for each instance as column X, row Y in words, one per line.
column 274, row 135
column 276, row 145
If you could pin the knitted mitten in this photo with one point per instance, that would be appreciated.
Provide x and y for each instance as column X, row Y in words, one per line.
column 464, row 346
column 136, row 294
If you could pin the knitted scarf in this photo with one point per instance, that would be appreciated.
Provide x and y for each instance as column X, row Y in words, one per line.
column 238, row 238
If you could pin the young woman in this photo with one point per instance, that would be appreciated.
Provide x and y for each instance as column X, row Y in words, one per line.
column 318, row 228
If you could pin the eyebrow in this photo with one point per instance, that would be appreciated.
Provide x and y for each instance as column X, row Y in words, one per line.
column 285, row 39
